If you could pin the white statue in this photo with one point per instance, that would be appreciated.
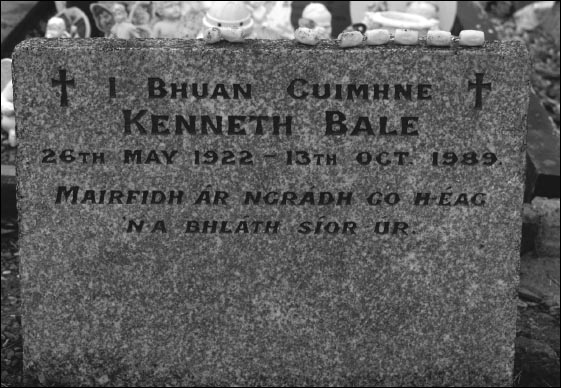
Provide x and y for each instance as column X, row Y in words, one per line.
column 103, row 17
column 171, row 24
column 123, row 28
column 316, row 17
column 76, row 23
column 234, row 16
column 56, row 28
column 141, row 13
column 278, row 19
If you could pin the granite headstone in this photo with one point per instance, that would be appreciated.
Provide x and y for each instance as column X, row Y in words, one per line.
column 269, row 213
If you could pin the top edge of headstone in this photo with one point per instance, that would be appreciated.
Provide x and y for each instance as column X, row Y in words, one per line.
column 511, row 48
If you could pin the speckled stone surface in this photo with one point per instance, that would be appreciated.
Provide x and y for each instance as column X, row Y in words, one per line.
column 435, row 306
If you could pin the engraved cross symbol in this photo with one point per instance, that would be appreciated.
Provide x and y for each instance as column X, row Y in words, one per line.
column 62, row 82
column 478, row 85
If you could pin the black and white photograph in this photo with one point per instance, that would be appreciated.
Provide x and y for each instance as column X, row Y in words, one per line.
column 280, row 193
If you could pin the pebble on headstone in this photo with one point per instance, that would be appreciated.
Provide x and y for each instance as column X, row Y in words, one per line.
column 471, row 38
column 406, row 37
column 439, row 38
column 213, row 35
column 377, row 37
column 350, row 39
column 306, row 36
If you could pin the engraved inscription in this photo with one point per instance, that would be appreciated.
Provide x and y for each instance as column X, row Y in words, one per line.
column 139, row 121
column 478, row 85
column 62, row 82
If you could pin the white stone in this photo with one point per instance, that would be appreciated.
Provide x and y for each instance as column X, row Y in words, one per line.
column 350, row 39
column 472, row 38
column 377, row 37
column 232, row 34
column 439, row 38
column 306, row 36
column 406, row 37
column 213, row 35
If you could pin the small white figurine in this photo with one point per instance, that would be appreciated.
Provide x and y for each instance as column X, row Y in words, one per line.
column 56, row 28
column 428, row 9
column 103, row 18
column 76, row 22
column 193, row 13
column 278, row 20
column 315, row 16
column 123, row 29
column 171, row 24
column 141, row 13
column 259, row 10
column 350, row 39
column 7, row 102
column 230, row 14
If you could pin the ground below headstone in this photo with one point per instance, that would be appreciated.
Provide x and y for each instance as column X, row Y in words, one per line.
column 537, row 342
